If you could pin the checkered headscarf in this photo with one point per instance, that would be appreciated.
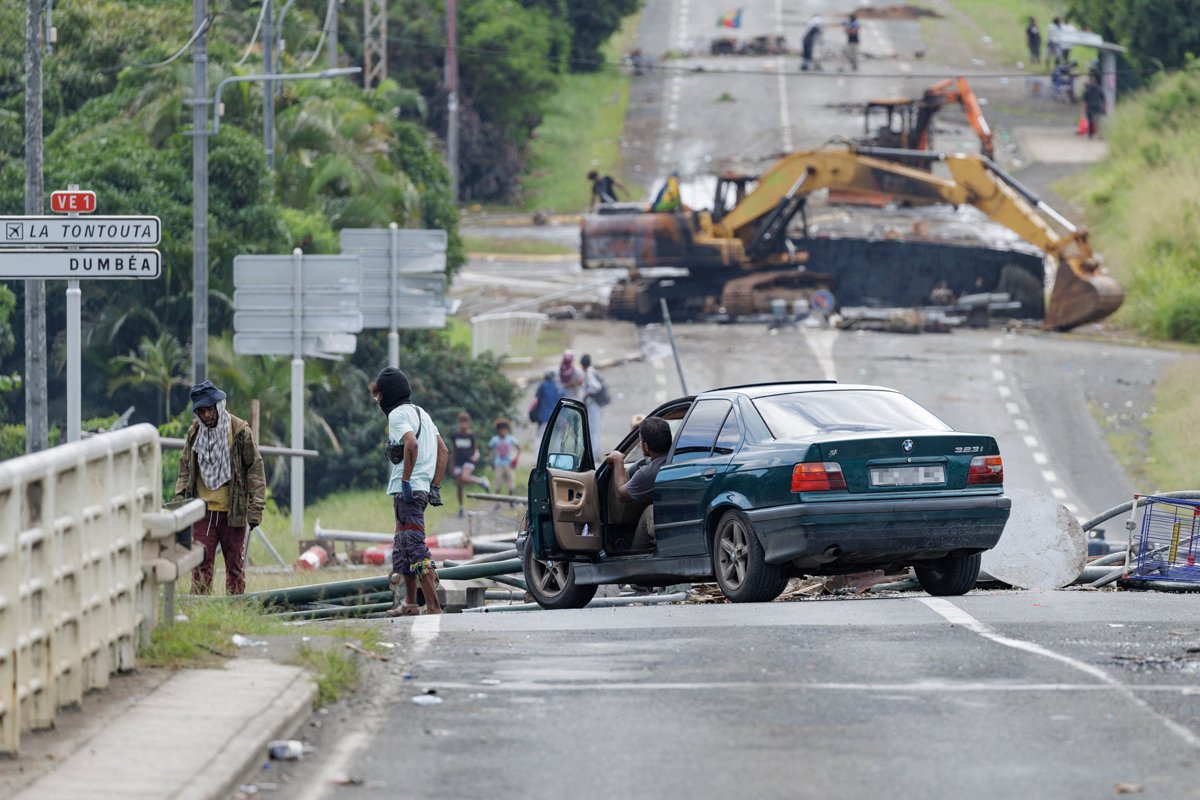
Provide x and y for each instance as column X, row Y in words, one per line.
column 212, row 450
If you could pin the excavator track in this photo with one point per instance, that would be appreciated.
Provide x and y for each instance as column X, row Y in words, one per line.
column 752, row 294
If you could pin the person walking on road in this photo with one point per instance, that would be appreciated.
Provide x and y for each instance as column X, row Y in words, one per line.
column 812, row 35
column 221, row 465
column 506, row 454
column 466, row 460
column 852, row 27
column 570, row 378
column 604, row 188
column 1033, row 40
column 595, row 398
column 547, row 397
column 418, row 456
column 1093, row 105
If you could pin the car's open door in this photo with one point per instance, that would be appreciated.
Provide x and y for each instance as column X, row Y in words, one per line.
column 564, row 507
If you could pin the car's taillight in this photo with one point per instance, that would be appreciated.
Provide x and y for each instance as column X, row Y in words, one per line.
column 821, row 476
column 984, row 470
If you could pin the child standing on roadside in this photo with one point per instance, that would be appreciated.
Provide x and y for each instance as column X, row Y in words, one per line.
column 466, row 459
column 506, row 452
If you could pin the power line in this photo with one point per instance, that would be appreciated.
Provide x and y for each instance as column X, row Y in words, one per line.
column 204, row 26
column 254, row 36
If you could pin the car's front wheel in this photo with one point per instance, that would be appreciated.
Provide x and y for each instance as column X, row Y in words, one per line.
column 739, row 564
column 552, row 583
column 950, row 576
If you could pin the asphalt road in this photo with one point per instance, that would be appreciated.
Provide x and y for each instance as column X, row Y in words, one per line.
column 1011, row 695
column 994, row 695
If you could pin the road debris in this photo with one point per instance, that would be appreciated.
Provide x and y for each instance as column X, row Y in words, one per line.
column 285, row 750
column 430, row 698
column 365, row 652
column 1128, row 788
column 1043, row 545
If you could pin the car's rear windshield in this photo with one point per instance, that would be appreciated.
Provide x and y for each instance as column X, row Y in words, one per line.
column 805, row 414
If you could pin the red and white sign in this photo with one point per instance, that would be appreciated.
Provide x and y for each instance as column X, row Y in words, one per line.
column 75, row 201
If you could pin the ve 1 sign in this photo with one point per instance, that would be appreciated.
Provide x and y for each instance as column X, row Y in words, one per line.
column 75, row 201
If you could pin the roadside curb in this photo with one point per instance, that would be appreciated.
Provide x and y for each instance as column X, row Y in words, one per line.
column 232, row 714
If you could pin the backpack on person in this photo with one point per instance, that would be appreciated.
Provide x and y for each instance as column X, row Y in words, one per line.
column 601, row 397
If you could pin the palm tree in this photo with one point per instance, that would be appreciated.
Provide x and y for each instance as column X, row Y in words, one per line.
column 162, row 363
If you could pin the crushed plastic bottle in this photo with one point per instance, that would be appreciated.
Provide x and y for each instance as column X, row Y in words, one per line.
column 430, row 698
column 286, row 749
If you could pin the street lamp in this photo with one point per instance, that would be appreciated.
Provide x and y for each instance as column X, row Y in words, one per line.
column 272, row 76
column 200, row 187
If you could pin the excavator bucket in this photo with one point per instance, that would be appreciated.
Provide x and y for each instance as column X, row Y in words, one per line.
column 1080, row 296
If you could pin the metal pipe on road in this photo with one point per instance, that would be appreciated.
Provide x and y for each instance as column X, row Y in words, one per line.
column 484, row 559
column 1190, row 494
column 314, row 593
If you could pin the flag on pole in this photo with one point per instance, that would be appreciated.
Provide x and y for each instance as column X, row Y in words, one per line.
column 668, row 197
column 730, row 19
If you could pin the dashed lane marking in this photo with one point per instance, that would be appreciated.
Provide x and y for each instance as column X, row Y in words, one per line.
column 1048, row 476
column 1012, row 408
column 1004, row 391
column 785, row 117
column 820, row 341
column 1021, row 424
column 1040, row 458
column 1030, row 441
column 998, row 374
column 956, row 616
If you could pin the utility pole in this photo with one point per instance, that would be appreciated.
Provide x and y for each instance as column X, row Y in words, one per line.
column 374, row 42
column 269, row 88
column 452, row 97
column 37, row 424
column 331, row 32
column 199, row 103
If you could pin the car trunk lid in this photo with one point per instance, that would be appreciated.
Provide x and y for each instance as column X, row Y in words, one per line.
column 899, row 462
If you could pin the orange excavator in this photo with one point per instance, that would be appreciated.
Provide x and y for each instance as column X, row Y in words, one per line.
column 906, row 123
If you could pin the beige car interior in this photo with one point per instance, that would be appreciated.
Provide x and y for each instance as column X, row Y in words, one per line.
column 576, row 502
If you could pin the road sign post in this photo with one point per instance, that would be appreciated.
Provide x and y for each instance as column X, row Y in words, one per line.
column 403, row 279
column 296, row 305
column 71, row 248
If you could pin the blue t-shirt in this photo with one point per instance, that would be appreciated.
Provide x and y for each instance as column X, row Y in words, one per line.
column 407, row 418
column 504, row 450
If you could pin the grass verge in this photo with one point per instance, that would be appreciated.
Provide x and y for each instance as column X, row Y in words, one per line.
column 1143, row 205
column 582, row 130
column 995, row 31
column 205, row 639
column 515, row 246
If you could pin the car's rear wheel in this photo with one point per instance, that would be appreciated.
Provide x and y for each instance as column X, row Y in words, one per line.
column 739, row 564
column 950, row 576
column 552, row 583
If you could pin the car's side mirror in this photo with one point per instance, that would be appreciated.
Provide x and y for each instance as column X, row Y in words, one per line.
column 561, row 461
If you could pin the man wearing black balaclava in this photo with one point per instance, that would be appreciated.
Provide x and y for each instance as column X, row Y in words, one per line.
column 418, row 457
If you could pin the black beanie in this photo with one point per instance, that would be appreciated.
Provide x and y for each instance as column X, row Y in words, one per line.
column 394, row 389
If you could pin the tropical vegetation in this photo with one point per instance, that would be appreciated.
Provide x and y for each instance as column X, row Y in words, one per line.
column 117, row 121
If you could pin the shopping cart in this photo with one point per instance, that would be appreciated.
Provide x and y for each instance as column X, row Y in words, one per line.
column 1169, row 541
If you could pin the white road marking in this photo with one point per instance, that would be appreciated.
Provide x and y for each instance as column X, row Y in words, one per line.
column 956, row 616
column 1030, row 441
column 1048, row 476
column 336, row 763
column 1004, row 391
column 820, row 342
column 998, row 375
column 997, row 341
column 1040, row 458
column 1058, row 493
column 1012, row 408
column 424, row 630
column 785, row 117
column 1021, row 424
column 995, row 358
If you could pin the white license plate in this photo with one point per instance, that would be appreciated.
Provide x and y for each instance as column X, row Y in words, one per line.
column 917, row 475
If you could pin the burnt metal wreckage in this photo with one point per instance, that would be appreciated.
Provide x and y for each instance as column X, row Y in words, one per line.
column 740, row 256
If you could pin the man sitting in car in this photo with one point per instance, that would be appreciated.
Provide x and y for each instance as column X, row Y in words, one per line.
column 655, row 435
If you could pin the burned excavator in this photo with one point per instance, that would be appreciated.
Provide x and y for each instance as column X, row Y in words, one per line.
column 739, row 256
column 907, row 123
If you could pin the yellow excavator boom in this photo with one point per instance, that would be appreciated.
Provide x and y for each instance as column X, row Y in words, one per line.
column 1082, row 291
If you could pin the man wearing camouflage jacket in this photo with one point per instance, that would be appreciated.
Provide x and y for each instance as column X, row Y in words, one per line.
column 222, row 466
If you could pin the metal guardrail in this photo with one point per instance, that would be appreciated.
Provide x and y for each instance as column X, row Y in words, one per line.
column 83, row 547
